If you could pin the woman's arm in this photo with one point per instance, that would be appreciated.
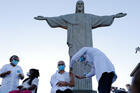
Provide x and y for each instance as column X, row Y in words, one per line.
column 4, row 74
column 32, row 87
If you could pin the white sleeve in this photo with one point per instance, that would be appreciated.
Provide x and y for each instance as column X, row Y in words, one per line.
column 35, row 81
column 53, row 81
column 3, row 69
column 77, row 56
column 91, row 73
column 21, row 71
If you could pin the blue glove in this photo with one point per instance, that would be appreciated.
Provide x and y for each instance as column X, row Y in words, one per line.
column 82, row 59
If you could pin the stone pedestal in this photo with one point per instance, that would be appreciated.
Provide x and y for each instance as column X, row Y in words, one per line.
column 82, row 84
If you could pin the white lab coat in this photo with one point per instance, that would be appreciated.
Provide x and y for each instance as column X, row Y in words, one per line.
column 100, row 63
column 57, row 78
column 11, row 81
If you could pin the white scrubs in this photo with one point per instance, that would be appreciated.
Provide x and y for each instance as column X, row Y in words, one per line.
column 11, row 81
column 57, row 77
column 100, row 63
column 34, row 82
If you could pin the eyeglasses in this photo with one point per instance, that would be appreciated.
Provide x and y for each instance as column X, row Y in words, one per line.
column 60, row 64
column 16, row 60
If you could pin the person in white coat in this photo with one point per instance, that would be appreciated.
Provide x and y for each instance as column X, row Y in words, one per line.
column 10, row 74
column 61, row 81
column 101, row 67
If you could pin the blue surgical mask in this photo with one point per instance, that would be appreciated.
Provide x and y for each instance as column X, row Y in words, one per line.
column 15, row 62
column 61, row 67
column 28, row 74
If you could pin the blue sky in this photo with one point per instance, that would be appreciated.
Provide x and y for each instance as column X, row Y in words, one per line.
column 40, row 46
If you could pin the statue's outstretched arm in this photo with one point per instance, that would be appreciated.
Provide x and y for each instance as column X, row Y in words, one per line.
column 119, row 15
column 40, row 18
column 45, row 18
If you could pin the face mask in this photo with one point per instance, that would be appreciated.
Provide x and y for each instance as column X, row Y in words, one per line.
column 62, row 67
column 28, row 74
column 15, row 62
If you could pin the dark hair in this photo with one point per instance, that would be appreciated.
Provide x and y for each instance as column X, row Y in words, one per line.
column 34, row 74
column 12, row 57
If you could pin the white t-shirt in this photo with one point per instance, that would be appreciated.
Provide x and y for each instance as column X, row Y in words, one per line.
column 11, row 81
column 34, row 82
column 57, row 77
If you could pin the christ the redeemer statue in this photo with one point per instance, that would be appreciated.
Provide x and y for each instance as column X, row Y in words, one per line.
column 79, row 26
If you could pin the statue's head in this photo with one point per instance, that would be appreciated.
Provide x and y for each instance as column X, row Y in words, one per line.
column 80, row 6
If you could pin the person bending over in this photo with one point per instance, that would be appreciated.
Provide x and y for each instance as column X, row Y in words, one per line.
column 101, row 67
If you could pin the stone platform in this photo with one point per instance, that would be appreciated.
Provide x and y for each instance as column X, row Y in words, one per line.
column 84, row 91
